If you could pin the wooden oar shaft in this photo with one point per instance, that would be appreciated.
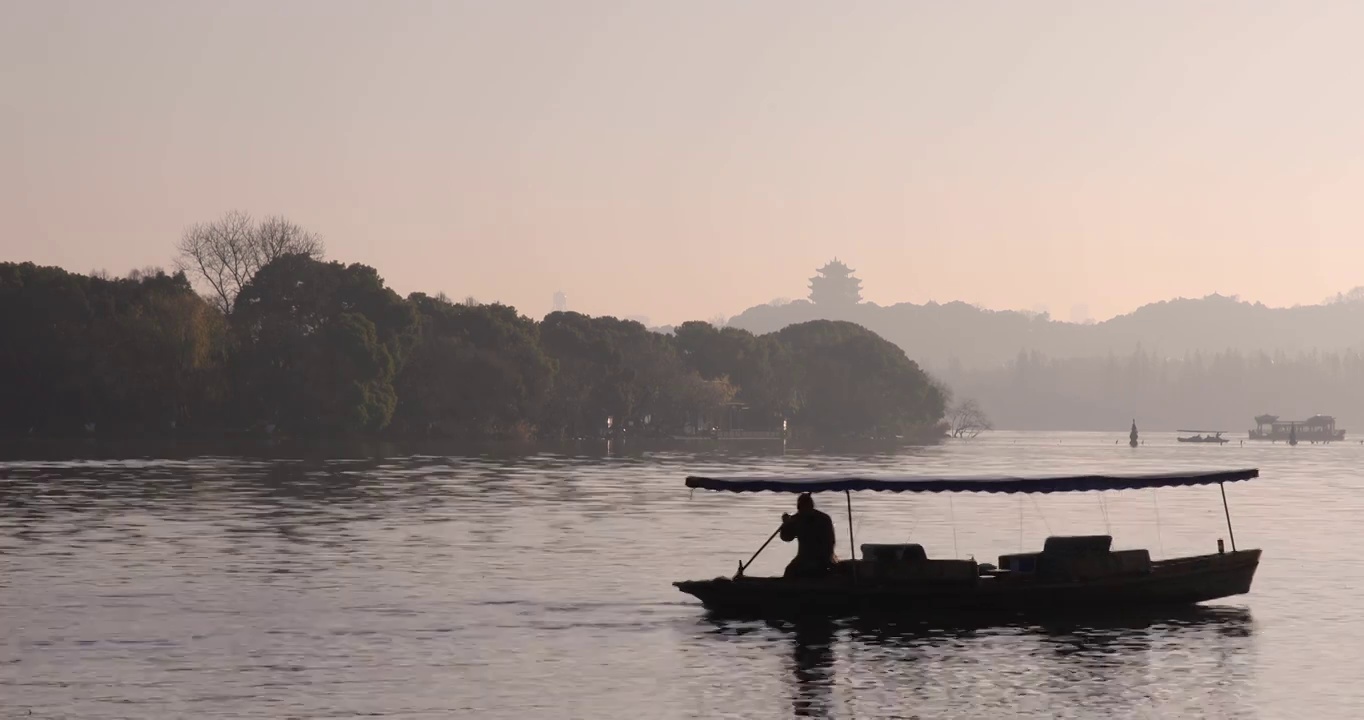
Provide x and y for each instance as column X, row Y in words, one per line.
column 770, row 538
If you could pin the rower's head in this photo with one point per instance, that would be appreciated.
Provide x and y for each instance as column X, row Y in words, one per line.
column 805, row 502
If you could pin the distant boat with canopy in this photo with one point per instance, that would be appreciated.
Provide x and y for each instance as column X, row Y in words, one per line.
column 1204, row 436
column 1071, row 574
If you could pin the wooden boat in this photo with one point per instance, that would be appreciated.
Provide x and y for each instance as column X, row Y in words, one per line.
column 1204, row 436
column 1069, row 575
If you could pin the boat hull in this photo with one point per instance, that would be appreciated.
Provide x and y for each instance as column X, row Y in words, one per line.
column 1177, row 582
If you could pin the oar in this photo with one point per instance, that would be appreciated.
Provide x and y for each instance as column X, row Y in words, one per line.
column 744, row 566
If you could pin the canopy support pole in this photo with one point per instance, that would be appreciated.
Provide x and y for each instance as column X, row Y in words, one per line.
column 1230, row 534
column 1155, row 500
column 952, row 510
column 852, row 544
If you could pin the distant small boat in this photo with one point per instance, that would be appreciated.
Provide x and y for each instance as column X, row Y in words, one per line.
column 1204, row 436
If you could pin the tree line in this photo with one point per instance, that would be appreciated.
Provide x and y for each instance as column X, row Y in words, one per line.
column 289, row 344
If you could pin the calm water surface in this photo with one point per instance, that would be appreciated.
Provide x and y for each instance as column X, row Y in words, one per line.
column 539, row 586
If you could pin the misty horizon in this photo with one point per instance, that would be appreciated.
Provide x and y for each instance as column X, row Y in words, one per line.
column 685, row 162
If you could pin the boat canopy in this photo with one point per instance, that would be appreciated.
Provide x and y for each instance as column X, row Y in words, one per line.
column 986, row 483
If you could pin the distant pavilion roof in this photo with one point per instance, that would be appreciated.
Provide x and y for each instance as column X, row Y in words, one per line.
column 837, row 265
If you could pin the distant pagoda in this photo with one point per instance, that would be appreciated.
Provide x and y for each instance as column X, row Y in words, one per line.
column 835, row 285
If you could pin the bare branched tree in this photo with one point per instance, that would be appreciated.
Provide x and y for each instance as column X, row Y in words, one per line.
column 225, row 254
column 277, row 236
column 968, row 420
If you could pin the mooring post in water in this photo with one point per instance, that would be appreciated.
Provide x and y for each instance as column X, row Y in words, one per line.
column 852, row 546
column 1230, row 534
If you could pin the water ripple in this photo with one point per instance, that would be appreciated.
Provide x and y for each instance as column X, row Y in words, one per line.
column 502, row 586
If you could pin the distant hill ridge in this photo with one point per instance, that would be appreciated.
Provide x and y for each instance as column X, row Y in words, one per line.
column 957, row 334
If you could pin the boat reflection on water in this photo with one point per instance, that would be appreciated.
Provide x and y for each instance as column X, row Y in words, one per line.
column 813, row 667
column 1191, row 660
column 812, row 648
column 1229, row 621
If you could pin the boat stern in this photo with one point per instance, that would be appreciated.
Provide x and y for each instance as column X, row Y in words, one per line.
column 1241, row 570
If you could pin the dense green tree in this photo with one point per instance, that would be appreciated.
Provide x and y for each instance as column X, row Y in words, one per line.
column 478, row 371
column 163, row 354
column 318, row 345
column 759, row 366
column 45, row 317
column 618, row 369
column 85, row 354
column 608, row 368
column 852, row 383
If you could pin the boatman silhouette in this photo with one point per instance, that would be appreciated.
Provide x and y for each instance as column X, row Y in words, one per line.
column 814, row 533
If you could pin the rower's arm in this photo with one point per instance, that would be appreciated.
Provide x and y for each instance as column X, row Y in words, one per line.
column 789, row 530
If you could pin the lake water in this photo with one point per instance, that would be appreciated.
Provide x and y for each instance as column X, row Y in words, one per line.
column 539, row 586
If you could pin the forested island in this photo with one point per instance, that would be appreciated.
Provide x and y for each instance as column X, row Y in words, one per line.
column 305, row 348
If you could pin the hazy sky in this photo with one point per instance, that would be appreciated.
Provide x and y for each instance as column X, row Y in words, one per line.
column 691, row 158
